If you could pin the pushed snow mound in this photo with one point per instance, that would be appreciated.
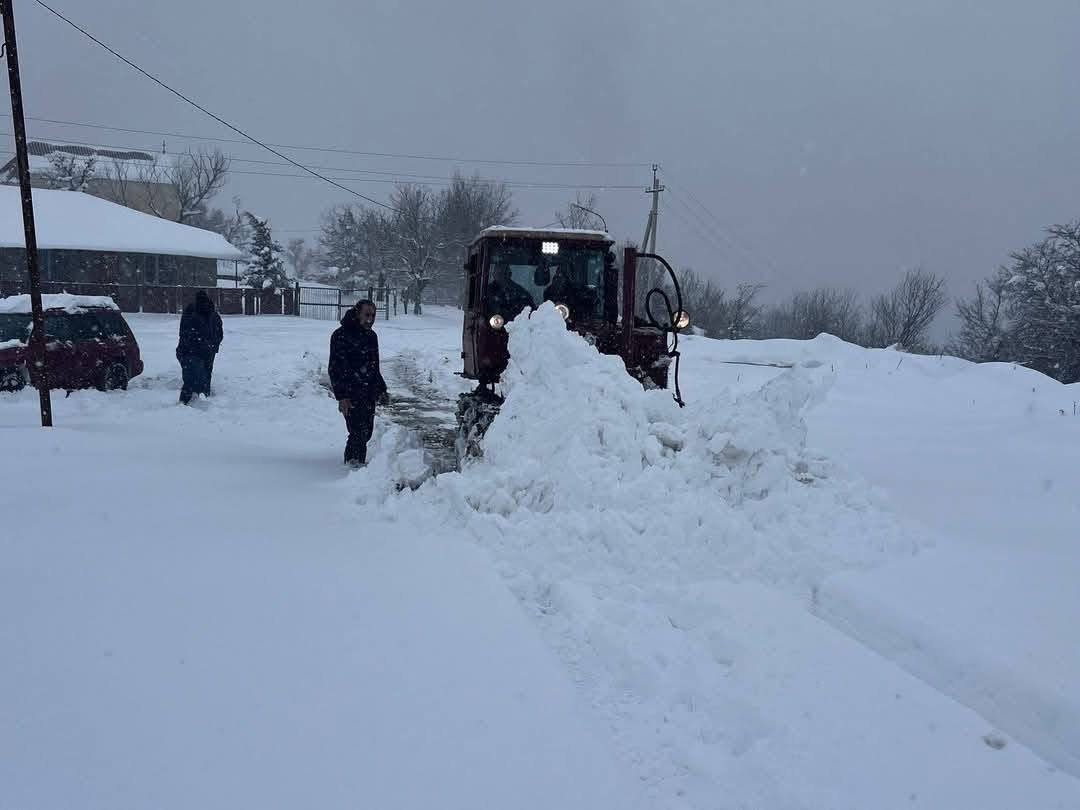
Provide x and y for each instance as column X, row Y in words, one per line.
column 583, row 457
column 619, row 520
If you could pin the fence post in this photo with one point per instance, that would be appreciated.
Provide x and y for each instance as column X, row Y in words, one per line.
column 296, row 299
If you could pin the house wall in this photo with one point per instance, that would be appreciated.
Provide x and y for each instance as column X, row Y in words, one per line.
column 96, row 267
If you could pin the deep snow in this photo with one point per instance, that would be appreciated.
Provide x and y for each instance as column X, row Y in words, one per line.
column 622, row 603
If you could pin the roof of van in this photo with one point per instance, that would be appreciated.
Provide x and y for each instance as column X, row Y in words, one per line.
column 20, row 304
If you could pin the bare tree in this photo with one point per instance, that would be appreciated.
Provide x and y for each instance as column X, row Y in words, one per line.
column 463, row 209
column 233, row 227
column 743, row 314
column 299, row 256
column 418, row 241
column 181, row 190
column 358, row 242
column 704, row 301
column 713, row 310
column 70, row 172
column 984, row 328
column 120, row 188
column 903, row 316
column 575, row 215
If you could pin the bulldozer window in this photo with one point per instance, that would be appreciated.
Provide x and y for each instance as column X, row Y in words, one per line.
column 575, row 277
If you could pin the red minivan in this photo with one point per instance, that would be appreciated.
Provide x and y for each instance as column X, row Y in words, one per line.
column 88, row 344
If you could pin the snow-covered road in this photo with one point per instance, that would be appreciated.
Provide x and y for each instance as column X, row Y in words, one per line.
column 199, row 607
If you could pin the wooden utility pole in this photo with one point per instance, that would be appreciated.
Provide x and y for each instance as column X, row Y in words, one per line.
column 40, row 372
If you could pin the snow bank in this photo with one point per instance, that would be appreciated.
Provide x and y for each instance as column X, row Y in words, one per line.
column 1007, row 658
column 20, row 304
column 610, row 511
column 725, row 487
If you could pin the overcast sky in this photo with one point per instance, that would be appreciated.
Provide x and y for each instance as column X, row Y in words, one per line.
column 832, row 142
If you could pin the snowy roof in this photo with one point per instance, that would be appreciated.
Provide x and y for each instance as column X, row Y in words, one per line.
column 20, row 304
column 38, row 153
column 579, row 234
column 71, row 220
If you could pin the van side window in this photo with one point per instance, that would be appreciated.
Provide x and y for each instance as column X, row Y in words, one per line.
column 112, row 325
column 85, row 326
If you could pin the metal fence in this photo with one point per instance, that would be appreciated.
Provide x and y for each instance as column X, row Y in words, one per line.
column 330, row 303
column 170, row 299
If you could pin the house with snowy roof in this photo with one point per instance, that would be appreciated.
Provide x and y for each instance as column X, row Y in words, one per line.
column 95, row 247
column 138, row 179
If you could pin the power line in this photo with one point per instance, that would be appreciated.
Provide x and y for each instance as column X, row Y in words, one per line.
column 385, row 177
column 695, row 229
column 569, row 164
column 720, row 231
column 202, row 109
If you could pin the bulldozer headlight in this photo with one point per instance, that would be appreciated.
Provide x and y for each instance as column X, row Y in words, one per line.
column 497, row 321
column 682, row 319
column 549, row 248
column 563, row 310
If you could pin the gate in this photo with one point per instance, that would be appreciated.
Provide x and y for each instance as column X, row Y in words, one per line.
column 330, row 303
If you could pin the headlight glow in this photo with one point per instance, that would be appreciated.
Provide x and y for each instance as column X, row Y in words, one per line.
column 682, row 319
column 497, row 321
column 549, row 248
column 563, row 310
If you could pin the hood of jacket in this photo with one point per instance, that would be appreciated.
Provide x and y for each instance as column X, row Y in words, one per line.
column 351, row 319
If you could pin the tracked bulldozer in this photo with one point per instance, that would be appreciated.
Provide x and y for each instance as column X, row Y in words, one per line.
column 511, row 271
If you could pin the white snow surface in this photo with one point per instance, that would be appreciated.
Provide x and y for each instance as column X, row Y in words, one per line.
column 832, row 582
column 20, row 304
column 72, row 220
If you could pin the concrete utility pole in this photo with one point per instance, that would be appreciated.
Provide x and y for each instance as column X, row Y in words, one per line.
column 648, row 242
column 37, row 337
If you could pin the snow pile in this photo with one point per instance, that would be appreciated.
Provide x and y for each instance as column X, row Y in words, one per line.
column 620, row 522
column 583, row 457
column 20, row 304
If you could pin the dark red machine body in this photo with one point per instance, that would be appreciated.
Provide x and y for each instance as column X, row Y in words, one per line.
column 533, row 260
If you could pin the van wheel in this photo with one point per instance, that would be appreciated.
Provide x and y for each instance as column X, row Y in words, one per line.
column 115, row 378
column 12, row 379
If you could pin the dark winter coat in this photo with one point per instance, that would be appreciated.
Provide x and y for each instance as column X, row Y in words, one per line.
column 200, row 329
column 354, row 361
column 508, row 299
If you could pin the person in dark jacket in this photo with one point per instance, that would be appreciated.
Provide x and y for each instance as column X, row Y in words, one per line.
column 356, row 379
column 200, row 338
column 564, row 289
column 505, row 296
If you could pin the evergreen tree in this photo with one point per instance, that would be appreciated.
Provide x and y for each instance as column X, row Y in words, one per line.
column 266, row 270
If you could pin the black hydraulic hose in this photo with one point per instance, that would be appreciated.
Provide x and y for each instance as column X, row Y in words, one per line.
column 672, row 325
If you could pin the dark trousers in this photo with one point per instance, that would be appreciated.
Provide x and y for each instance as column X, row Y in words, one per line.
column 361, row 422
column 196, row 372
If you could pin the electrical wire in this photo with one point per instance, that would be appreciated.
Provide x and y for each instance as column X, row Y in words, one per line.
column 202, row 109
column 395, row 177
column 569, row 164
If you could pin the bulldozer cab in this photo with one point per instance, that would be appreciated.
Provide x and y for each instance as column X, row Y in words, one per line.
column 515, row 270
